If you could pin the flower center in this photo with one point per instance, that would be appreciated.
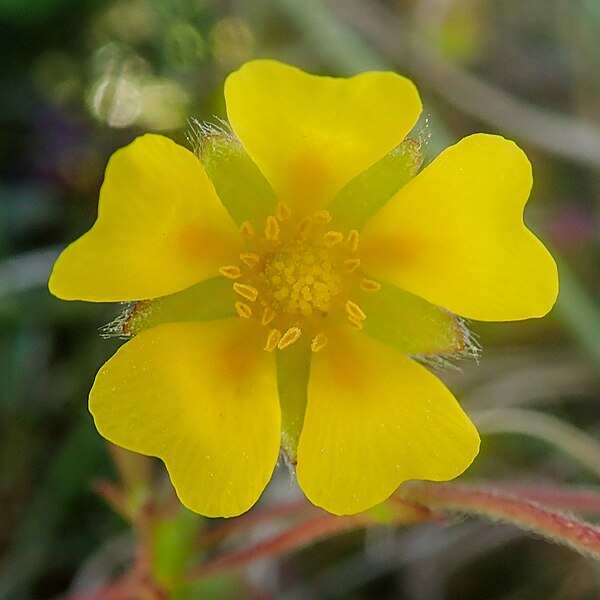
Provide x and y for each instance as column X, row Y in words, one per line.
column 296, row 274
column 302, row 279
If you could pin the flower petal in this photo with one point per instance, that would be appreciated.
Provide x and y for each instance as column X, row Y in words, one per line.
column 201, row 398
column 310, row 135
column 160, row 229
column 375, row 419
column 454, row 235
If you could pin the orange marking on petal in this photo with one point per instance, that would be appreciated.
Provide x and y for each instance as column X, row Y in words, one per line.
column 369, row 285
column 199, row 242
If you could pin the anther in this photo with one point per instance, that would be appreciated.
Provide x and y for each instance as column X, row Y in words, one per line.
column 273, row 338
column 243, row 310
column 304, row 225
column 249, row 259
column 352, row 240
column 318, row 342
column 267, row 316
column 282, row 211
column 289, row 337
column 354, row 310
column 351, row 264
column 271, row 228
column 247, row 229
column 230, row 271
column 331, row 238
column 369, row 285
column 246, row 291
column 356, row 323
column 322, row 216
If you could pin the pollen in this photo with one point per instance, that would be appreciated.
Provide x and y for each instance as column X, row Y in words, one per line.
column 289, row 337
column 246, row 291
column 267, row 316
column 295, row 275
column 230, row 271
column 351, row 264
column 352, row 240
column 368, row 285
column 250, row 259
column 247, row 230
column 322, row 216
column 331, row 238
column 282, row 212
column 271, row 228
column 243, row 310
column 318, row 342
column 354, row 310
column 273, row 338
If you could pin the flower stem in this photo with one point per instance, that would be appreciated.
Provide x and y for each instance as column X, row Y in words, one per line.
column 500, row 506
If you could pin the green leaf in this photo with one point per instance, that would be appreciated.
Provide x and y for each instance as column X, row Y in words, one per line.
column 205, row 301
column 293, row 368
column 240, row 185
column 362, row 197
column 412, row 325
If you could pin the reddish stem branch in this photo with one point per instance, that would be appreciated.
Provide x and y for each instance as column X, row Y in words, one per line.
column 255, row 517
column 500, row 506
column 297, row 536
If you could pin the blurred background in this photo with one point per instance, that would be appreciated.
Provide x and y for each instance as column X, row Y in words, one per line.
column 80, row 78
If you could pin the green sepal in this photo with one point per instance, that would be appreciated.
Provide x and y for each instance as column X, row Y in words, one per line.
column 362, row 197
column 205, row 301
column 412, row 325
column 293, row 367
column 240, row 185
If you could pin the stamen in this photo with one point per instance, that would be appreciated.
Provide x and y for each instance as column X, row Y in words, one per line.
column 247, row 229
column 243, row 310
column 271, row 228
column 289, row 337
column 304, row 225
column 322, row 216
column 331, row 238
column 369, row 285
column 246, row 291
column 273, row 338
column 352, row 241
column 356, row 323
column 250, row 259
column 318, row 342
column 351, row 264
column 267, row 316
column 282, row 211
column 230, row 271
column 353, row 310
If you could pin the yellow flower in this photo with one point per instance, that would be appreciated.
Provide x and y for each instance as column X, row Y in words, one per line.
column 286, row 278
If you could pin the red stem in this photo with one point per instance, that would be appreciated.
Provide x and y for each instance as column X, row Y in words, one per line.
column 297, row 536
column 500, row 506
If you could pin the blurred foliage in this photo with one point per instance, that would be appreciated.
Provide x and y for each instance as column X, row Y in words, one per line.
column 80, row 78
